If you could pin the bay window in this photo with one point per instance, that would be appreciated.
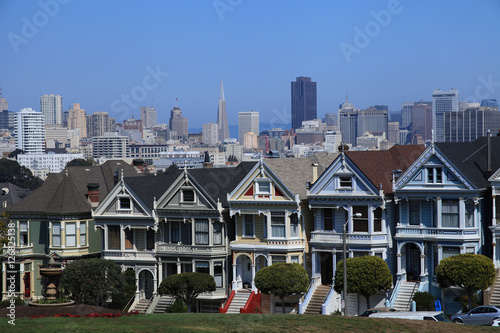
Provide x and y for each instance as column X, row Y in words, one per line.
column 278, row 224
column 450, row 213
column 56, row 234
column 201, row 232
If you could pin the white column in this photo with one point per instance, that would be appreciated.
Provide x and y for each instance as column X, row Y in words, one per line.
column 253, row 278
column 370, row 219
column 234, row 276
column 438, row 210
column 160, row 271
column 313, row 261
column 350, row 224
column 461, row 213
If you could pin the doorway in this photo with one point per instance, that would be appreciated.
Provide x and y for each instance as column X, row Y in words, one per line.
column 326, row 263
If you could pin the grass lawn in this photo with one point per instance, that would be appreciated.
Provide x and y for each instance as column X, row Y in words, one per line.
column 231, row 323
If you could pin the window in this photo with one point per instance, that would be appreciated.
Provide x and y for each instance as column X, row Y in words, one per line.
column 150, row 239
column 218, row 273
column 175, row 236
column 294, row 226
column 217, row 233
column 295, row 259
column 124, row 203
column 414, row 212
column 70, row 234
column 129, row 239
column 360, row 224
column 434, row 176
column 114, row 237
column 188, row 195
column 450, row 213
column 276, row 259
column 23, row 233
column 278, row 224
column 450, row 251
column 263, row 187
column 56, row 234
column 345, row 182
column 327, row 219
column 83, row 233
column 377, row 220
column 469, row 214
column 248, row 226
column 203, row 267
column 201, row 232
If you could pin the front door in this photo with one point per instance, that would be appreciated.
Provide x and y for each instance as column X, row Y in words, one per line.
column 413, row 272
column 27, row 284
column 326, row 267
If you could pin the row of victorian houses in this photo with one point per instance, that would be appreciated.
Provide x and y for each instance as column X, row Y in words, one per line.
column 418, row 205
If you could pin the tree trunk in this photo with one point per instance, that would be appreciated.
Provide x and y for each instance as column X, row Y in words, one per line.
column 367, row 302
column 469, row 294
column 282, row 304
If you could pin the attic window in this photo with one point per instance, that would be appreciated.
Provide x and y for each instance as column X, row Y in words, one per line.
column 345, row 182
column 187, row 195
column 263, row 187
column 124, row 203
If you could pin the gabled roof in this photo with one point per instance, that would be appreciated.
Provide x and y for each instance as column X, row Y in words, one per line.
column 295, row 173
column 11, row 194
column 471, row 158
column 65, row 192
column 217, row 182
column 378, row 165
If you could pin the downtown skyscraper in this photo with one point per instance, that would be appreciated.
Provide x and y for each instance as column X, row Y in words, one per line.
column 51, row 107
column 248, row 121
column 442, row 102
column 304, row 101
column 222, row 124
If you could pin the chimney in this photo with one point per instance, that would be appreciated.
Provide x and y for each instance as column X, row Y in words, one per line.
column 206, row 161
column 93, row 194
column 315, row 172
column 138, row 164
column 489, row 151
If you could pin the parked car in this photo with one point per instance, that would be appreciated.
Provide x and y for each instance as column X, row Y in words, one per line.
column 376, row 310
column 481, row 315
column 415, row 315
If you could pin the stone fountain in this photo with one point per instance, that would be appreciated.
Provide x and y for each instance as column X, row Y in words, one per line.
column 51, row 274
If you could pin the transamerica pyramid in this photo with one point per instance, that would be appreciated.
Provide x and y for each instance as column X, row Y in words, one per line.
column 222, row 125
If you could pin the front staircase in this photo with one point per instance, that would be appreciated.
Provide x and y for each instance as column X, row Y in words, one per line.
column 314, row 306
column 163, row 304
column 495, row 293
column 239, row 301
column 405, row 296
column 141, row 306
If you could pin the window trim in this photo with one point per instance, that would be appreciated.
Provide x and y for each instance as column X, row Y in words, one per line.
column 258, row 190
column 53, row 224
column 343, row 179
column 67, row 234
column 84, row 234
column 26, row 232
column 207, row 233
column 182, row 195
column 283, row 225
column 119, row 206
column 243, row 233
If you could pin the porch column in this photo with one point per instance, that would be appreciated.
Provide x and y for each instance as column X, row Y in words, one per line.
column 234, row 277
column 423, row 269
column 313, row 262
column 160, row 271
column 493, row 213
column 399, row 262
column 438, row 210
column 155, row 281
column 370, row 220
column 179, row 267
column 253, row 278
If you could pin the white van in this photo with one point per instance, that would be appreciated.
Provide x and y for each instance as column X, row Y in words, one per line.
column 415, row 315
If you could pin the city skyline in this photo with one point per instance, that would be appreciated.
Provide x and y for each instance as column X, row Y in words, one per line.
column 377, row 52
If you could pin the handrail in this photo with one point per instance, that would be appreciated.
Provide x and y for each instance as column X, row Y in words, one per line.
column 329, row 291
column 411, row 296
column 304, row 300
column 149, row 302
column 301, row 300
column 327, row 300
column 395, row 292
column 226, row 295
column 129, row 303
column 228, row 303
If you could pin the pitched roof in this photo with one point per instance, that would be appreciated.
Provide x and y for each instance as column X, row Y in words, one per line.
column 471, row 158
column 295, row 173
column 11, row 194
column 378, row 165
column 65, row 192
column 217, row 182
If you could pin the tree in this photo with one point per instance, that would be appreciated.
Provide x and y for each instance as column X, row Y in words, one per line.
column 472, row 272
column 365, row 275
column 12, row 172
column 124, row 293
column 80, row 162
column 187, row 287
column 92, row 281
column 282, row 279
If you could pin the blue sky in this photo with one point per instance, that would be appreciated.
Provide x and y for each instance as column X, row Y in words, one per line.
column 95, row 52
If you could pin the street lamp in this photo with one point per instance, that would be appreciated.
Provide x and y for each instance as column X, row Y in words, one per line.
column 344, row 236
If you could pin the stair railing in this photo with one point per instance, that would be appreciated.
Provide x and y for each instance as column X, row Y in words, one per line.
column 304, row 300
column 129, row 303
column 394, row 294
column 408, row 306
column 327, row 300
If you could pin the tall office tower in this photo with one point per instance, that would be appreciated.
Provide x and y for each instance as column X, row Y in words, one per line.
column 304, row 101
column 348, row 119
column 333, row 140
column 99, row 123
column 372, row 120
column 148, row 116
column 179, row 124
column 470, row 123
column 110, row 146
column 442, row 101
column 4, row 105
column 51, row 107
column 222, row 124
column 210, row 134
column 77, row 119
column 393, row 132
column 406, row 115
column 7, row 119
column 248, row 121
column 331, row 119
column 30, row 131
column 421, row 119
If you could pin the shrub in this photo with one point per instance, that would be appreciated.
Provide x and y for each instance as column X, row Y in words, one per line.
column 123, row 295
column 425, row 301
column 6, row 303
column 177, row 307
